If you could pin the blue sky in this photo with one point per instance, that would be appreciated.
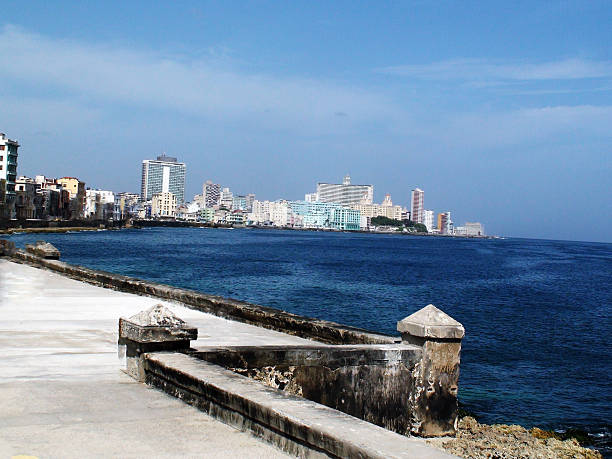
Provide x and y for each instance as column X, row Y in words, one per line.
column 500, row 111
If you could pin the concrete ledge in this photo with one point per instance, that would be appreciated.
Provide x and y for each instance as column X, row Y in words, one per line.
column 296, row 425
column 305, row 327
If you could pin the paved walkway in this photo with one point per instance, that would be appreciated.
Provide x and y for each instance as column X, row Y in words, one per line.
column 62, row 393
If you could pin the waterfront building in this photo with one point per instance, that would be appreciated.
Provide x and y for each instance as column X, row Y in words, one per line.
column 25, row 198
column 417, row 202
column 445, row 224
column 236, row 217
column 163, row 205
column 126, row 205
column 163, row 175
column 250, row 198
column 320, row 215
column 273, row 213
column 227, row 198
column 99, row 204
column 474, row 229
column 76, row 192
column 239, row 203
column 428, row 220
column 8, row 175
column 379, row 210
column 206, row 214
column 345, row 193
column 211, row 193
column 311, row 197
column 220, row 216
column 345, row 219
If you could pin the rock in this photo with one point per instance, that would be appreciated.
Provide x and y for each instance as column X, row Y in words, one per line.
column 480, row 441
column 43, row 249
column 7, row 248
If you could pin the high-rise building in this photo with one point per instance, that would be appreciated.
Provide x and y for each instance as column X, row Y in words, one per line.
column 344, row 193
column 8, row 174
column 211, row 193
column 428, row 219
column 227, row 198
column 417, row 202
column 445, row 224
column 163, row 175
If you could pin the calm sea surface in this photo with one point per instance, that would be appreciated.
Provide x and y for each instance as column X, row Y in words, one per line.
column 537, row 314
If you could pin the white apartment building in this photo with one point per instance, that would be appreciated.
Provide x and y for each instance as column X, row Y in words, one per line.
column 344, row 193
column 428, row 220
column 99, row 203
column 278, row 213
column 163, row 175
column 378, row 210
column 163, row 205
column 226, row 198
column 417, row 203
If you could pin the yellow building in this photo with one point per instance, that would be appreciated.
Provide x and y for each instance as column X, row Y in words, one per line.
column 76, row 190
column 163, row 205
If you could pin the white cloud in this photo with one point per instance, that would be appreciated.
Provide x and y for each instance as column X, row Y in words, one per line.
column 482, row 69
column 197, row 86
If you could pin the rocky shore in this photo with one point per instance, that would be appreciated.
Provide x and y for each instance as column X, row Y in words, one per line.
column 482, row 441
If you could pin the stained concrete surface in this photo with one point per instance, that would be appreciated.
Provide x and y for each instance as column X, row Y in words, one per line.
column 62, row 393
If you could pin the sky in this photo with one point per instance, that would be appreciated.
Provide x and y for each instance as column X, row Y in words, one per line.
column 500, row 111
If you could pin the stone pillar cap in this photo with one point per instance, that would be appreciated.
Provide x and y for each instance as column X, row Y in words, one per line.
column 431, row 322
column 157, row 316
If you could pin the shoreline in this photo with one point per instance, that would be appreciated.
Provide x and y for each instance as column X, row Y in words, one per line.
column 139, row 224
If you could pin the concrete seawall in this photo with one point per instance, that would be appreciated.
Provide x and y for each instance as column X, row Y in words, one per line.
column 347, row 376
column 274, row 319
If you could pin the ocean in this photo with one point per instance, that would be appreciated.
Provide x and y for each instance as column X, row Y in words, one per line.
column 537, row 313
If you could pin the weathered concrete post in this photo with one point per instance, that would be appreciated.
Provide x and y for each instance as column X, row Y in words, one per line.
column 156, row 329
column 434, row 401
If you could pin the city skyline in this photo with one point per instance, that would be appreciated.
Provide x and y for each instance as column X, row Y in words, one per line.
column 497, row 124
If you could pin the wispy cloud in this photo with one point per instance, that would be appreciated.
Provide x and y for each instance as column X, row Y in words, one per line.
column 199, row 86
column 483, row 69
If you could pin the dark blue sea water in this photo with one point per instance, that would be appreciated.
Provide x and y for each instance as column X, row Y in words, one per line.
column 537, row 314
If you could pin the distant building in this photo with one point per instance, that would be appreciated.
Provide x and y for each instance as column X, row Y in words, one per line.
column 417, row 203
column 445, row 224
column 8, row 175
column 76, row 191
column 227, row 198
column 163, row 205
column 206, row 214
column 325, row 215
column 344, row 193
column 250, row 198
column 273, row 213
column 99, row 204
column 474, row 229
column 25, row 198
column 211, row 193
column 127, row 205
column 163, row 175
column 386, row 209
column 345, row 219
column 428, row 220
column 239, row 203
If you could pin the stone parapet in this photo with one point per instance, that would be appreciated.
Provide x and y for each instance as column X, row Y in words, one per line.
column 156, row 329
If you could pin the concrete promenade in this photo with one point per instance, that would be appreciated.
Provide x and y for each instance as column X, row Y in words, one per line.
column 61, row 390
